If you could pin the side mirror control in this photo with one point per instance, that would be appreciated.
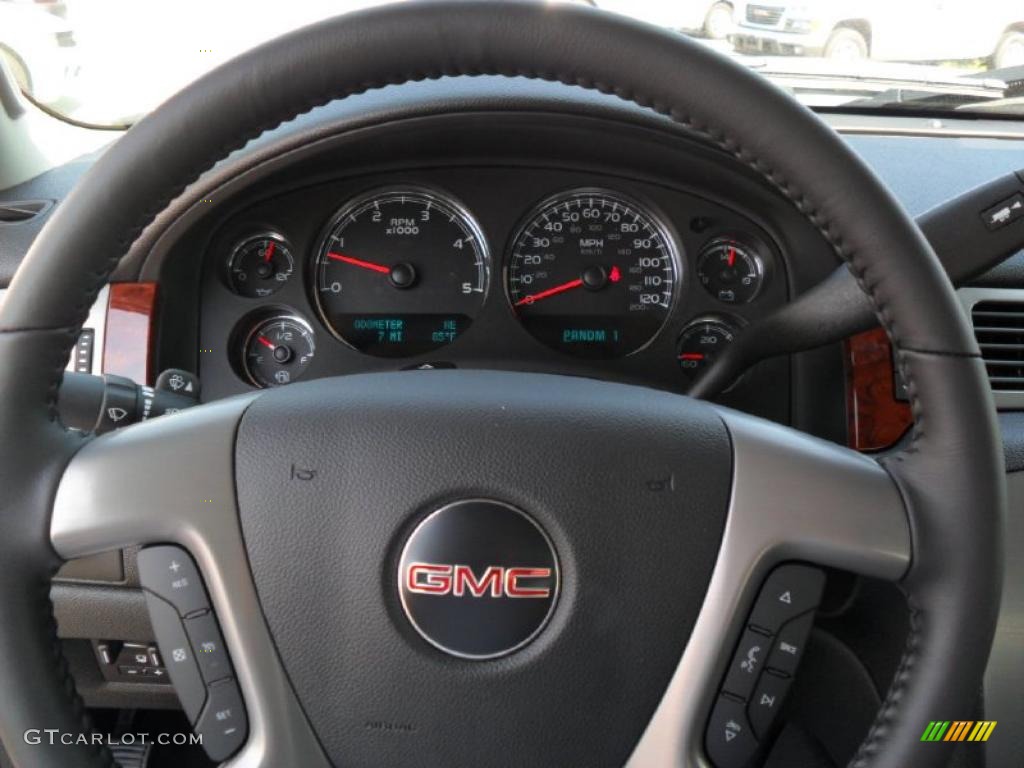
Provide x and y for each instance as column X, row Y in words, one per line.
column 123, row 661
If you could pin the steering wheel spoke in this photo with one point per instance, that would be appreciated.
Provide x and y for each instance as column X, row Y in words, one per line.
column 794, row 498
column 171, row 481
column 797, row 497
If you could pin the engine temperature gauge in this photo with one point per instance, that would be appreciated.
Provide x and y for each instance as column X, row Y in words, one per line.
column 730, row 270
column 259, row 265
column 278, row 350
column 701, row 342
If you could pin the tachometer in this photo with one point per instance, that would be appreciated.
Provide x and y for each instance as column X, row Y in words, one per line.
column 593, row 273
column 401, row 271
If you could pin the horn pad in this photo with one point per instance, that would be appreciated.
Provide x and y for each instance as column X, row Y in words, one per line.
column 606, row 503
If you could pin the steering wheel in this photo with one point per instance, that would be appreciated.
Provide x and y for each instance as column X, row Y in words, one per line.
column 661, row 515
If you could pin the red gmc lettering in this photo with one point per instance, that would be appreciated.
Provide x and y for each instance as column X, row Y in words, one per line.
column 429, row 579
column 465, row 579
column 514, row 575
column 459, row 580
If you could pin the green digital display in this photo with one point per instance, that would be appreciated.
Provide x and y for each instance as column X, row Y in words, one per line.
column 588, row 336
column 400, row 335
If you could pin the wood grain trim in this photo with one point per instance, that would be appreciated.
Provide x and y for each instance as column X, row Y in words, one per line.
column 128, row 343
column 875, row 418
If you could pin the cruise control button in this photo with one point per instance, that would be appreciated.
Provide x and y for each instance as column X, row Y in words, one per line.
column 729, row 739
column 177, row 654
column 747, row 663
column 223, row 724
column 789, row 645
column 208, row 647
column 169, row 572
column 766, row 702
column 789, row 591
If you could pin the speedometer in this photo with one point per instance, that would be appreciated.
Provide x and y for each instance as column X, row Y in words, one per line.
column 592, row 273
column 401, row 271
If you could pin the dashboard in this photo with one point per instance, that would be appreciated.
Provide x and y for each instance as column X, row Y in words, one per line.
column 479, row 266
column 468, row 231
column 307, row 255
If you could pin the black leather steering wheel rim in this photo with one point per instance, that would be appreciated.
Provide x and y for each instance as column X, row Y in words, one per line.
column 950, row 473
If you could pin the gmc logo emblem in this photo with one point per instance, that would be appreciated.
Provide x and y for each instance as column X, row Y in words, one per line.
column 459, row 580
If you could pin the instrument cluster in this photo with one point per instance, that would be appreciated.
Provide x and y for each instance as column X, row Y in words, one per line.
column 399, row 271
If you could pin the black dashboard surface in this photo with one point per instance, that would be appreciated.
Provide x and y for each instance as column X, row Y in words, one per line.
column 499, row 150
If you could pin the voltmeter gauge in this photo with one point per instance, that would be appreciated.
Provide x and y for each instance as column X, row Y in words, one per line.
column 278, row 350
column 260, row 265
column 730, row 270
column 701, row 342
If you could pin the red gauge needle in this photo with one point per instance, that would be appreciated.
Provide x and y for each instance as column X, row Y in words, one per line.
column 732, row 257
column 269, row 253
column 360, row 263
column 535, row 297
column 265, row 342
column 691, row 356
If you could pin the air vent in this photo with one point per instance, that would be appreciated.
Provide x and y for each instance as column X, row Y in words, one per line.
column 17, row 211
column 999, row 329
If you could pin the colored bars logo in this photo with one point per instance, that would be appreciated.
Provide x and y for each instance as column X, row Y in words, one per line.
column 958, row 730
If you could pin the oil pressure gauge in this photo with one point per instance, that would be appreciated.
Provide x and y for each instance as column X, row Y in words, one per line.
column 259, row 265
column 731, row 270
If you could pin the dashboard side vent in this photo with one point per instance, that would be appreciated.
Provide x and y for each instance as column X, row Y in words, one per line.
column 999, row 329
column 17, row 211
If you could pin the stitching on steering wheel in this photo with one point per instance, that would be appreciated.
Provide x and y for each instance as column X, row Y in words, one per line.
column 869, row 746
column 716, row 136
column 64, row 671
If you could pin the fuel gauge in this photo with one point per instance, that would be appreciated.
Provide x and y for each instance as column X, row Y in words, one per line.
column 260, row 265
column 278, row 351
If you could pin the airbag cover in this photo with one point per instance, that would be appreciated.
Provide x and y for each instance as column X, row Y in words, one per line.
column 631, row 486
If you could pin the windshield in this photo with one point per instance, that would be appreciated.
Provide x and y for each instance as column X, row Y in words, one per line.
column 108, row 62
